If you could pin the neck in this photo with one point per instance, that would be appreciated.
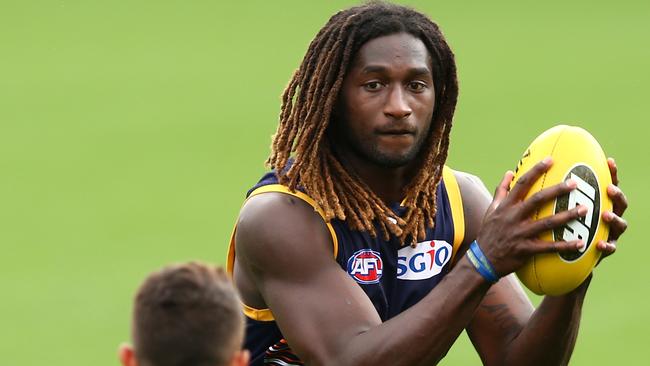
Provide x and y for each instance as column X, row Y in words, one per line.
column 388, row 183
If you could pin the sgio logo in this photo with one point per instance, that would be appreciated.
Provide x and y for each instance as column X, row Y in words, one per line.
column 365, row 266
column 586, row 194
column 424, row 261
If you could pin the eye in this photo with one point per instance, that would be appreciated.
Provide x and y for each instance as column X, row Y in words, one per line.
column 417, row 86
column 372, row 85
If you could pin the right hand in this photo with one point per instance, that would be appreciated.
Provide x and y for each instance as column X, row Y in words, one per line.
column 509, row 236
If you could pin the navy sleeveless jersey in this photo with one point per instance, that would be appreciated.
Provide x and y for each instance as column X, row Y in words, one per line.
column 393, row 277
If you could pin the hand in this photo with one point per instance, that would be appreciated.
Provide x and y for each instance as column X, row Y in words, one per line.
column 617, row 225
column 509, row 236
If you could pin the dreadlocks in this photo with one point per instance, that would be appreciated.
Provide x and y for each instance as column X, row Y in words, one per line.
column 307, row 105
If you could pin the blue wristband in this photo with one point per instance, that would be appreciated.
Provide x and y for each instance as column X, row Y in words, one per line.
column 481, row 263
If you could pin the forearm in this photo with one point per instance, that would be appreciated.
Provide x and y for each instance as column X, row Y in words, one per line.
column 550, row 334
column 427, row 330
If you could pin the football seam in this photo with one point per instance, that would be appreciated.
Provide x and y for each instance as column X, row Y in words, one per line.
column 537, row 212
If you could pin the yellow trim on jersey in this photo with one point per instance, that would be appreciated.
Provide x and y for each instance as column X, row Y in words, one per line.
column 262, row 315
column 456, row 205
column 265, row 314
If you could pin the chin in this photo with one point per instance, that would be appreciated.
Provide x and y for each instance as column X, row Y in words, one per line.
column 393, row 160
column 386, row 157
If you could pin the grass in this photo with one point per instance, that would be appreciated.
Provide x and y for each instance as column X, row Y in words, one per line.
column 129, row 132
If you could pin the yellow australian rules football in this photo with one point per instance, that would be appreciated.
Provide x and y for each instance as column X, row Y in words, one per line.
column 578, row 156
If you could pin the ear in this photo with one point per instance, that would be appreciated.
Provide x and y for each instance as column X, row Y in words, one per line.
column 240, row 358
column 127, row 355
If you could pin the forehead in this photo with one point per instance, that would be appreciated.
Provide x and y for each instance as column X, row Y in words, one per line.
column 400, row 49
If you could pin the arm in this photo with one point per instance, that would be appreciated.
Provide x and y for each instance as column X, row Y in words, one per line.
column 284, row 249
column 506, row 328
column 284, row 261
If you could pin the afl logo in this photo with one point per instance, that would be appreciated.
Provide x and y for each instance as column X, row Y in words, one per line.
column 586, row 194
column 365, row 266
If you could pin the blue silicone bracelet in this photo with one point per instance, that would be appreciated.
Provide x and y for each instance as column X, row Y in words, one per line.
column 481, row 263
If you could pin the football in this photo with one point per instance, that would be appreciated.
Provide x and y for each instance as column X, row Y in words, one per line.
column 578, row 156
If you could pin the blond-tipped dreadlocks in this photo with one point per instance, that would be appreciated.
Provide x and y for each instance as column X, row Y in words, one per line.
column 307, row 106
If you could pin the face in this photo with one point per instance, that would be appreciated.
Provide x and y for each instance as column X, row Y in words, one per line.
column 386, row 101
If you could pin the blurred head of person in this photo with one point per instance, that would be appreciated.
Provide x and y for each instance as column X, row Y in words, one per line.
column 187, row 314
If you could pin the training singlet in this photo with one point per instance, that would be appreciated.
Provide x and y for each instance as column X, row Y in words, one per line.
column 393, row 278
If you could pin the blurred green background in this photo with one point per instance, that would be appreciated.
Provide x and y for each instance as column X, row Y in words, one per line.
column 130, row 130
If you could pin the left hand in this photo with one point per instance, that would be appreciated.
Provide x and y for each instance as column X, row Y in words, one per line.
column 617, row 225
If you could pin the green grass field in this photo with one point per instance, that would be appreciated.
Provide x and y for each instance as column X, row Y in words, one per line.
column 130, row 130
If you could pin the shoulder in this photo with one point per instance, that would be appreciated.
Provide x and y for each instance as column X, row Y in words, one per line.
column 471, row 186
column 274, row 227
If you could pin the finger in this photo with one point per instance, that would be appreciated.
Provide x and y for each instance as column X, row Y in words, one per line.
column 501, row 191
column 551, row 222
column 606, row 248
column 617, row 224
column 526, row 181
column 547, row 194
column 541, row 246
column 613, row 170
column 618, row 198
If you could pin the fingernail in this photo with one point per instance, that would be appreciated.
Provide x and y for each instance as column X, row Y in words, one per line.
column 607, row 216
column 571, row 183
column 547, row 160
column 612, row 160
column 606, row 247
column 582, row 210
column 580, row 244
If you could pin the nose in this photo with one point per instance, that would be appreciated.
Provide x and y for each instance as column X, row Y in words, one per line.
column 396, row 105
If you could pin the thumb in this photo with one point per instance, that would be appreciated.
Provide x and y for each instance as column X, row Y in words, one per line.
column 501, row 191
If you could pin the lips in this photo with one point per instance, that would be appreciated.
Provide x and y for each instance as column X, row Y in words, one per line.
column 400, row 131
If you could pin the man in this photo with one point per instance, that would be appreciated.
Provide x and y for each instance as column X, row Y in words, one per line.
column 351, row 252
column 185, row 315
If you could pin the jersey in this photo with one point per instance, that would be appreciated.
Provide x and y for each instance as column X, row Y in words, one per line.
column 394, row 277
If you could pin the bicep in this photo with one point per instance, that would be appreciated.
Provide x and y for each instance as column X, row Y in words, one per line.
column 318, row 312
column 289, row 258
